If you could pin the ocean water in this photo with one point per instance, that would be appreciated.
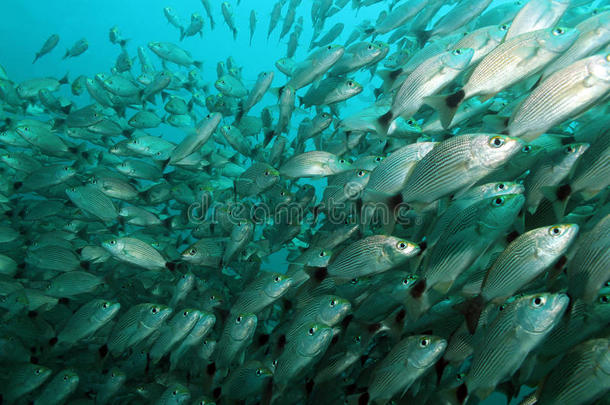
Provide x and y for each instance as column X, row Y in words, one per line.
column 25, row 25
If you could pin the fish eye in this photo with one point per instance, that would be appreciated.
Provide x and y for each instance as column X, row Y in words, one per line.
column 105, row 305
column 538, row 301
column 350, row 83
column 410, row 122
column 212, row 297
column 266, row 172
column 526, row 148
column 322, row 253
column 401, row 245
column 238, row 320
column 259, row 371
column 555, row 231
column 502, row 307
column 457, row 52
column 357, row 339
column 569, row 149
column 424, row 342
column 66, row 377
column 496, row 141
column 378, row 159
column 282, row 193
column 333, row 303
column 361, row 173
column 154, row 310
column 354, row 281
column 329, row 47
column 311, row 331
column 558, row 31
column 370, row 46
column 341, row 160
column 501, row 186
column 604, row 299
column 113, row 242
column 498, row 201
column 503, row 27
column 175, row 393
column 460, row 376
column 274, row 362
column 38, row 371
column 276, row 279
column 185, row 313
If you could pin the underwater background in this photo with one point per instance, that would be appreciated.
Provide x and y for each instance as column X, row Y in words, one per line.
column 25, row 25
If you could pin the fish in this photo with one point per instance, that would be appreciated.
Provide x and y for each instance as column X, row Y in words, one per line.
column 536, row 15
column 585, row 80
column 522, row 325
column 87, row 320
column 416, row 210
column 438, row 173
column 523, row 260
column 77, row 49
column 576, row 377
column 435, row 73
column 47, row 47
column 371, row 255
column 528, row 53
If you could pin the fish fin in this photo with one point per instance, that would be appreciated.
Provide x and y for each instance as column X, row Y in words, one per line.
column 439, row 367
column 472, row 312
column 422, row 37
column 198, row 64
column 36, row 58
column 268, row 137
column 64, row 80
column 525, row 53
column 58, row 123
column 66, row 54
column 496, row 123
column 446, row 105
column 382, row 124
column 462, row 393
column 559, row 197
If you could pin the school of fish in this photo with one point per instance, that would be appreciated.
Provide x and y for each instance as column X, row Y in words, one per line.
column 416, row 212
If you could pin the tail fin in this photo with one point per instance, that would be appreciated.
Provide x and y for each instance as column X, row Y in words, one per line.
column 382, row 124
column 423, row 37
column 64, row 80
column 198, row 64
column 496, row 123
column 446, row 105
column 472, row 311
column 67, row 54
column 268, row 137
column 36, row 58
column 559, row 197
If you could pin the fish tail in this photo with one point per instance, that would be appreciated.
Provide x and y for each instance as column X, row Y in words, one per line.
column 461, row 393
column 58, row 123
column 422, row 37
column 36, row 58
column 439, row 367
column 446, row 106
column 64, row 80
column 472, row 312
column 496, row 123
column 383, row 123
column 67, row 54
column 268, row 137
column 559, row 197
